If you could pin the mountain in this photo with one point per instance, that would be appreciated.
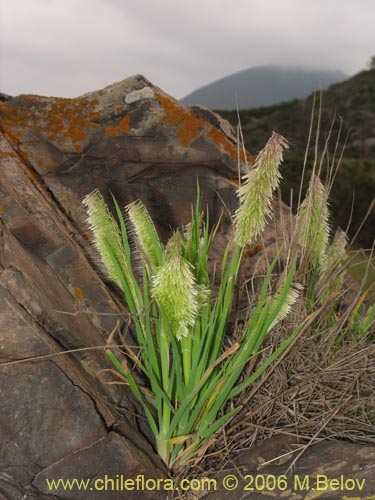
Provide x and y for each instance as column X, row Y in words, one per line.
column 263, row 86
column 353, row 102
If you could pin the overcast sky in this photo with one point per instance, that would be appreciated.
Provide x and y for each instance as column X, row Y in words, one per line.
column 69, row 47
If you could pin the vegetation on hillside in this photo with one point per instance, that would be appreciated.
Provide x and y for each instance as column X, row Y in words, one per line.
column 350, row 106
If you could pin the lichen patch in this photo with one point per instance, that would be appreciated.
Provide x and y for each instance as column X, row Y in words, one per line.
column 189, row 127
column 66, row 121
column 122, row 128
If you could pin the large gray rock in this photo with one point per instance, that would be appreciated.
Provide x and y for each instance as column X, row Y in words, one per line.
column 130, row 138
column 58, row 418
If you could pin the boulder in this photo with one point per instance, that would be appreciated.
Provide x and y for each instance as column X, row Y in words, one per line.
column 59, row 417
column 130, row 139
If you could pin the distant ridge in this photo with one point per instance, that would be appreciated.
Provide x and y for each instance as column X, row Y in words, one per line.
column 353, row 102
column 263, row 86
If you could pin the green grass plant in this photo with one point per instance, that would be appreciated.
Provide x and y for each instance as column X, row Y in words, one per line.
column 181, row 320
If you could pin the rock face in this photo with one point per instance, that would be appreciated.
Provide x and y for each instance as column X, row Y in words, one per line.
column 58, row 418
column 130, row 138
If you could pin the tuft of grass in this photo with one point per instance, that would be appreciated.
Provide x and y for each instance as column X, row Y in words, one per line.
column 181, row 325
column 199, row 374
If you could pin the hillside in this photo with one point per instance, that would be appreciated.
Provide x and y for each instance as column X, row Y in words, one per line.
column 262, row 86
column 354, row 102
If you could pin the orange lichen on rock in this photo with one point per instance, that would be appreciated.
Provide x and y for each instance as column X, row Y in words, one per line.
column 57, row 119
column 122, row 128
column 8, row 110
column 56, row 127
column 94, row 116
column 230, row 148
column 71, row 115
column 7, row 154
column 190, row 125
column 7, row 116
column 78, row 293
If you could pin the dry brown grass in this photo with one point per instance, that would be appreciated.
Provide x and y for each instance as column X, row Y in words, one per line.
column 315, row 392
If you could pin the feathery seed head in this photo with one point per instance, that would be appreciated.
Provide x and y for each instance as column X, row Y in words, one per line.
column 175, row 290
column 313, row 222
column 107, row 238
column 145, row 231
column 256, row 193
column 289, row 301
column 174, row 244
column 336, row 253
column 331, row 275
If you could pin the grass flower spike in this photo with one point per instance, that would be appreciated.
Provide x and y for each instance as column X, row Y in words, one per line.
column 256, row 193
column 146, row 233
column 110, row 244
column 290, row 299
column 106, row 233
column 175, row 290
column 313, row 222
column 331, row 276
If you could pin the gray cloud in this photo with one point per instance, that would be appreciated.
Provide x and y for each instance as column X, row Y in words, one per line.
column 68, row 48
